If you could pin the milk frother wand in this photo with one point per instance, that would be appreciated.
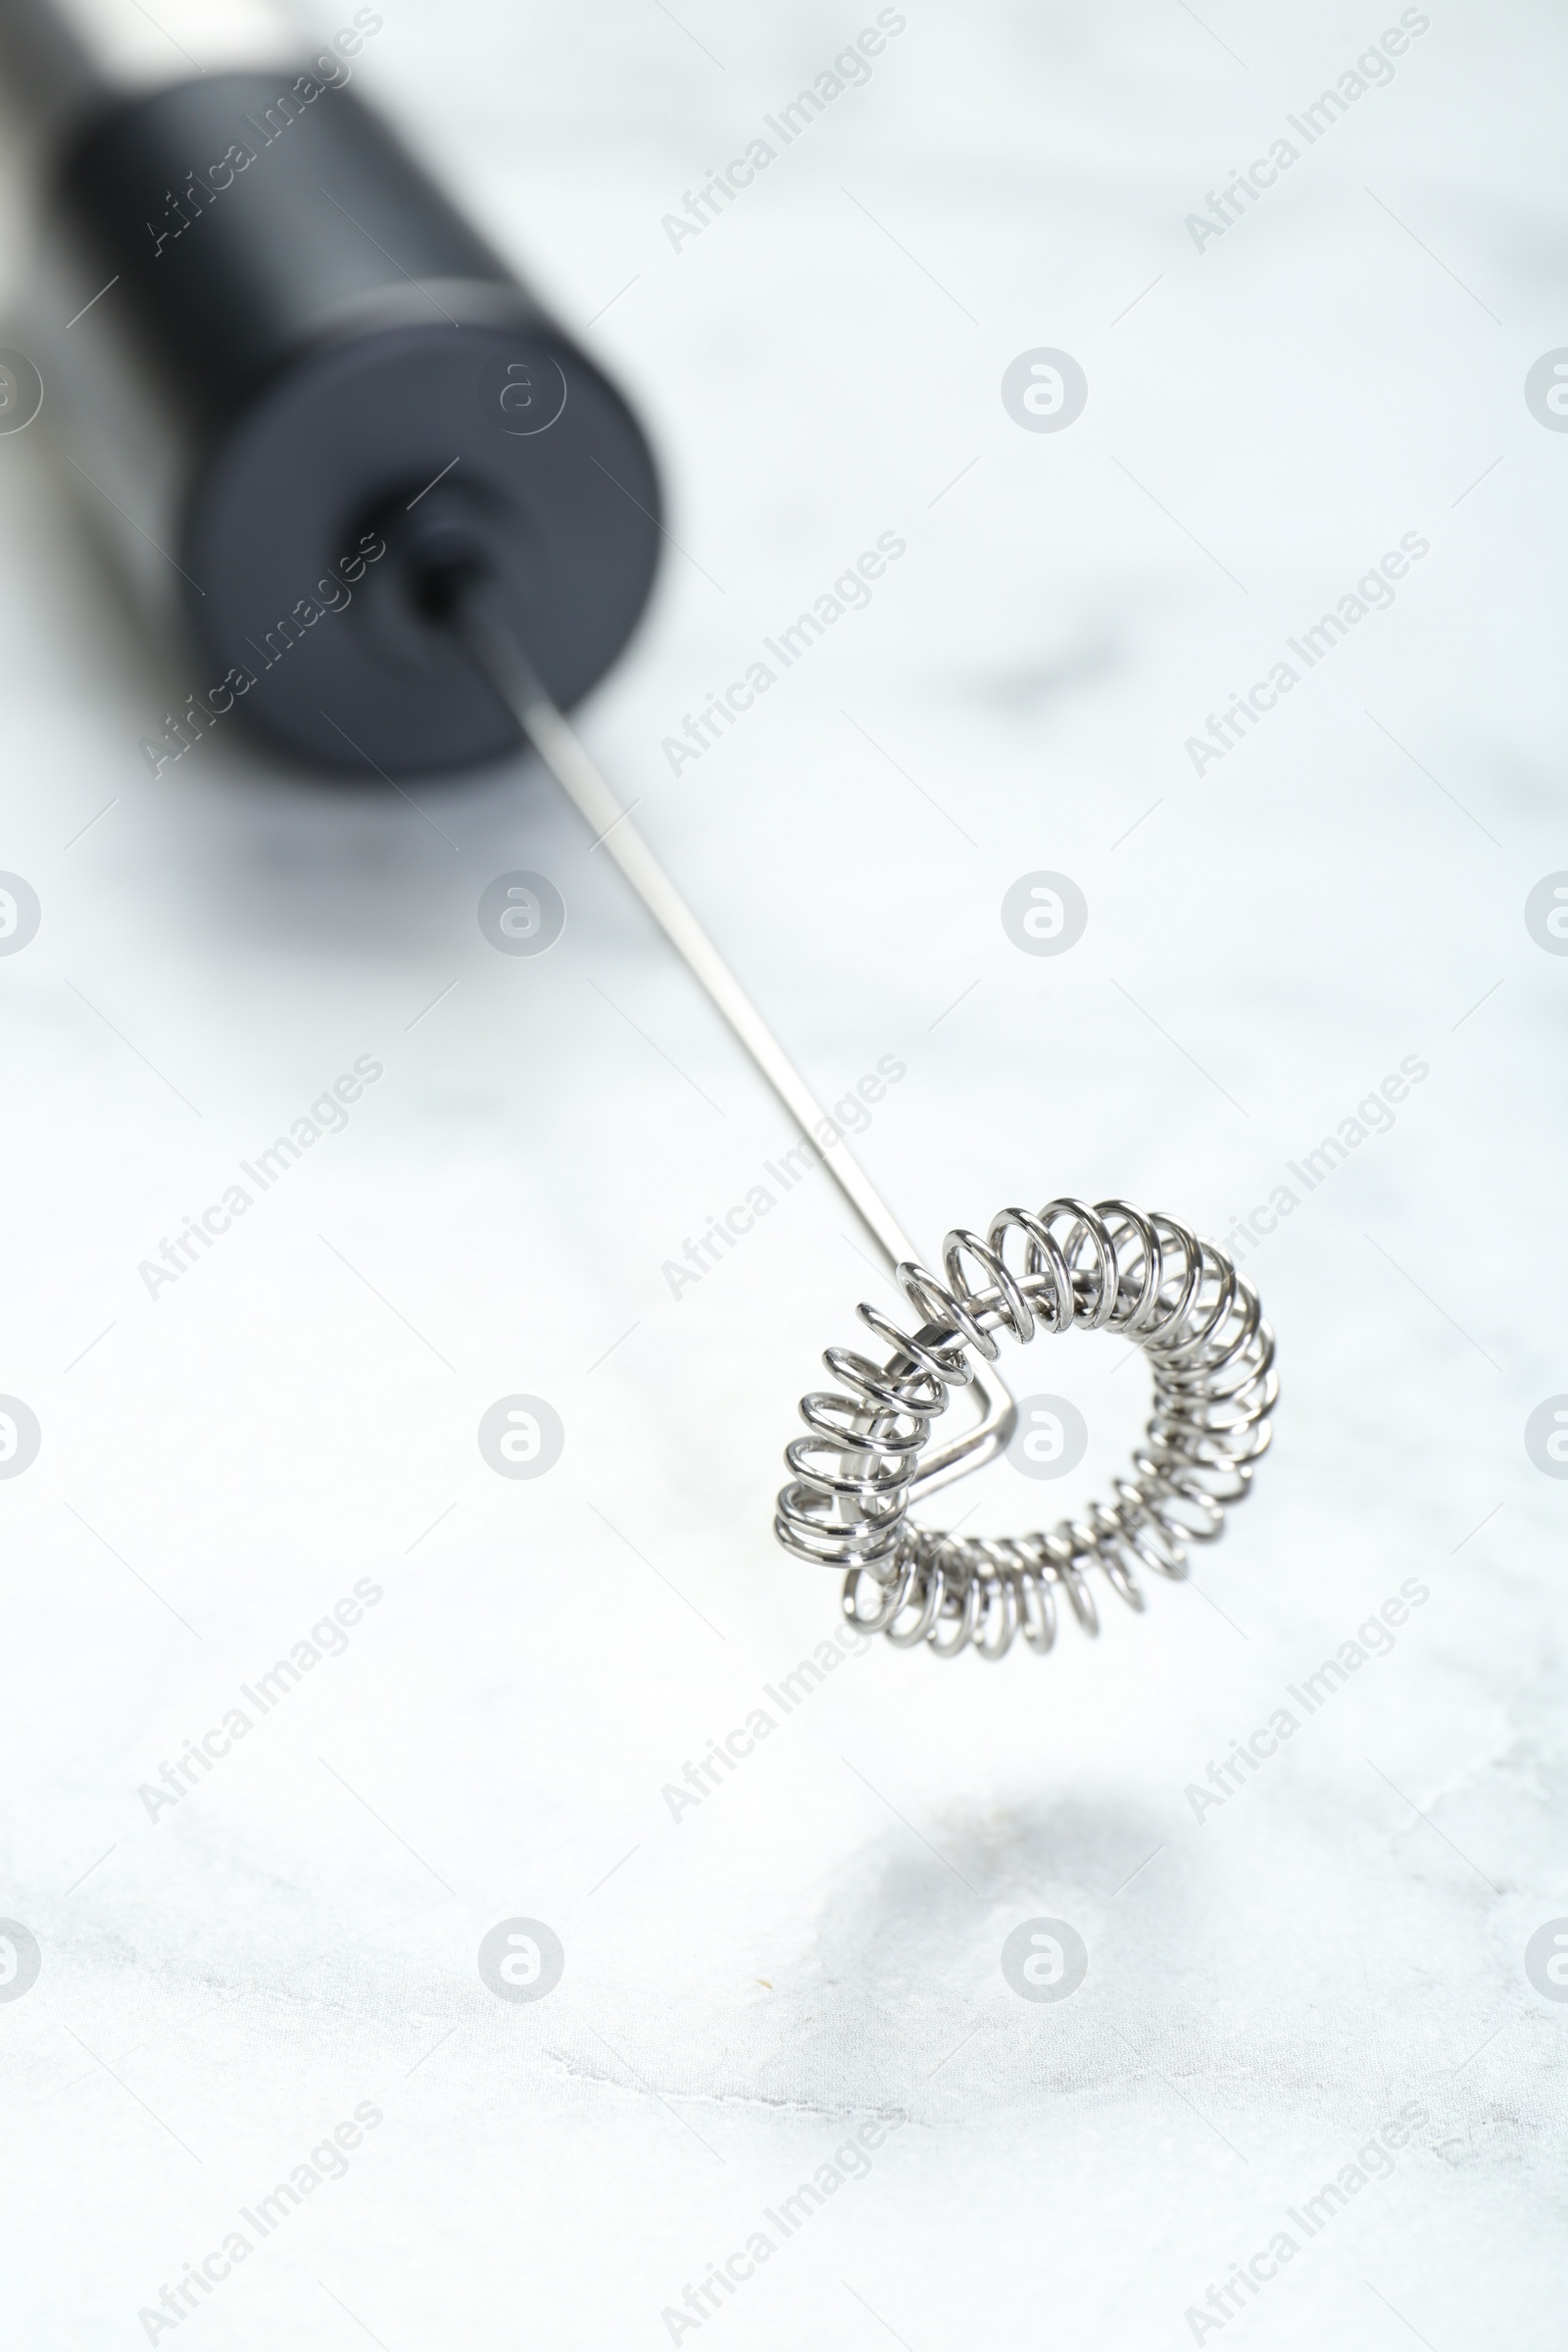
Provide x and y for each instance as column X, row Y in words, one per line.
column 1105, row 1267
column 398, row 514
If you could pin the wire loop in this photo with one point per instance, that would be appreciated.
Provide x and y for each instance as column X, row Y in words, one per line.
column 1109, row 1267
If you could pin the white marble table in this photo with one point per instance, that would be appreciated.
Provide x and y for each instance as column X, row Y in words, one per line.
column 807, row 1962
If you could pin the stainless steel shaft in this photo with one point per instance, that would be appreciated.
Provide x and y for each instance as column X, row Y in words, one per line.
column 507, row 666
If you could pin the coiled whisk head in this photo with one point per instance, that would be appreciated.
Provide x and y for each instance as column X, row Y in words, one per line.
column 1109, row 1267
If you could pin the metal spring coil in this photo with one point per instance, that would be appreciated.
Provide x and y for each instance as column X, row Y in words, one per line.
column 1109, row 1267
